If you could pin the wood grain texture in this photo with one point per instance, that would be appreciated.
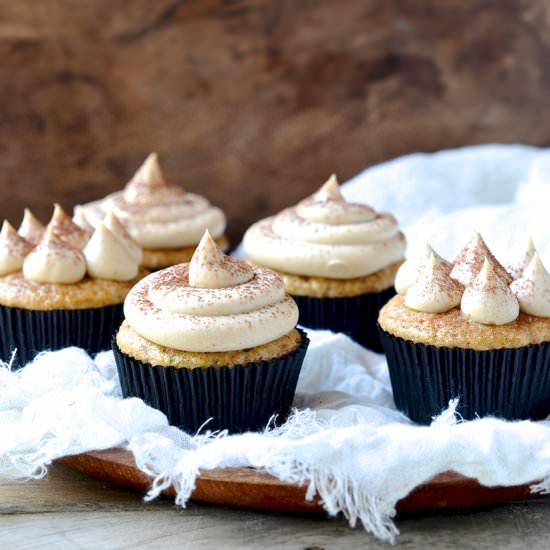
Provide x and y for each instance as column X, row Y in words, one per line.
column 68, row 510
column 253, row 102
column 248, row 488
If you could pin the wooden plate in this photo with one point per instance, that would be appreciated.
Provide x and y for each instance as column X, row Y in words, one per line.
column 249, row 488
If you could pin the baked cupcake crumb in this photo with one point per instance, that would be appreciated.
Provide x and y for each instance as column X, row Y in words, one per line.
column 136, row 346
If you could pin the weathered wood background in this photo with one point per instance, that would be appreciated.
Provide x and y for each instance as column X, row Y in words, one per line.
column 255, row 102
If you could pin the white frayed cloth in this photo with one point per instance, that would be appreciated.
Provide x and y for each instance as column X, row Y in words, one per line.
column 345, row 440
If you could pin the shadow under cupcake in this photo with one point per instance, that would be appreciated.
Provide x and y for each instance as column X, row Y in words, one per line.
column 468, row 330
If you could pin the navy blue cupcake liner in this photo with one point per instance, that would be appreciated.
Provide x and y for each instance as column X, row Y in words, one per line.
column 356, row 316
column 509, row 383
column 238, row 398
column 31, row 331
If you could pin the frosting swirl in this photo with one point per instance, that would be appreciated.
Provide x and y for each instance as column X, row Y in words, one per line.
column 54, row 261
column 470, row 260
column 325, row 236
column 66, row 229
column 156, row 213
column 488, row 299
column 434, row 291
column 532, row 289
column 13, row 249
column 410, row 270
column 213, row 303
column 110, row 256
column 31, row 229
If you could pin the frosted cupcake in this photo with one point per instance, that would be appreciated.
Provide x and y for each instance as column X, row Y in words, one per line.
column 468, row 330
column 166, row 221
column 338, row 260
column 211, row 341
column 65, row 290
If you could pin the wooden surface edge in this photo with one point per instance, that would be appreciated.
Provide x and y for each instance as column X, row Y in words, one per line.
column 251, row 489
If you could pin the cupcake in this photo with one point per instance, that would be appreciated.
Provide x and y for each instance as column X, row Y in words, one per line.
column 62, row 286
column 469, row 330
column 211, row 342
column 338, row 260
column 166, row 221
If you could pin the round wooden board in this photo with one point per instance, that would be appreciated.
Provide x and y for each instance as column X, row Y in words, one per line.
column 248, row 488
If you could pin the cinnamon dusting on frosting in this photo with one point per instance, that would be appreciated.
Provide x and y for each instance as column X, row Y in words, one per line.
column 532, row 289
column 54, row 261
column 158, row 214
column 470, row 260
column 488, row 299
column 434, row 291
column 214, row 303
column 31, row 229
column 13, row 249
column 412, row 268
column 211, row 268
column 148, row 185
column 326, row 236
column 66, row 229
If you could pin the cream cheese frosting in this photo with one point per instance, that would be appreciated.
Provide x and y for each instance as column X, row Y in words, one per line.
column 532, row 289
column 412, row 268
column 156, row 213
column 488, row 299
column 433, row 290
column 79, row 217
column 517, row 269
column 213, row 303
column 66, row 229
column 470, row 260
column 325, row 236
column 54, row 261
column 13, row 249
column 108, row 257
column 31, row 229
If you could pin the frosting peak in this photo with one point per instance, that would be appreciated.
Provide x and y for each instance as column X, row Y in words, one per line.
column 488, row 299
column 471, row 258
column 533, row 288
column 148, row 185
column 13, row 249
column 434, row 291
column 112, row 223
column 80, row 219
column 54, row 261
column 66, row 229
column 211, row 268
column 31, row 229
column 528, row 253
column 329, row 191
column 107, row 256
column 410, row 270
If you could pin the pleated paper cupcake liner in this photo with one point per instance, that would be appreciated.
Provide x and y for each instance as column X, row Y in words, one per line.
column 32, row 331
column 507, row 383
column 238, row 398
column 356, row 316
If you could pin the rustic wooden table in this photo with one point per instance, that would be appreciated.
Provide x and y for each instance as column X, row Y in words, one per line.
column 69, row 510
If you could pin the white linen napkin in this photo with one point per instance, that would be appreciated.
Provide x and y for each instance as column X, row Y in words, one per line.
column 345, row 440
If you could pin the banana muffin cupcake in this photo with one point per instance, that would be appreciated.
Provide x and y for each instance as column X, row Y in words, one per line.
column 211, row 342
column 468, row 330
column 67, row 290
column 338, row 260
column 166, row 221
